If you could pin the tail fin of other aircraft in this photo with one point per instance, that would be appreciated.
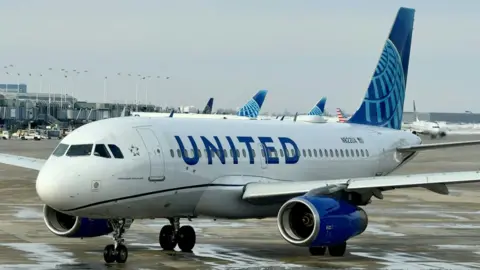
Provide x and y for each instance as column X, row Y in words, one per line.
column 208, row 107
column 415, row 111
column 384, row 100
column 341, row 117
column 319, row 108
column 253, row 106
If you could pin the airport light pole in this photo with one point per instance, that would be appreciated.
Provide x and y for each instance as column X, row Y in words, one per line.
column 105, row 90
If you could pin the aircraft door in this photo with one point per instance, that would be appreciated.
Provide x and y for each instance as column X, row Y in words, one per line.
column 382, row 163
column 262, row 155
column 155, row 154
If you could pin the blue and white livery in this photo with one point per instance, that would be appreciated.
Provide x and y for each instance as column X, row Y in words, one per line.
column 253, row 106
column 319, row 108
column 313, row 178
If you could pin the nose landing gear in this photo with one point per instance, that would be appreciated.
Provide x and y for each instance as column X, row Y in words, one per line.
column 172, row 235
column 118, row 251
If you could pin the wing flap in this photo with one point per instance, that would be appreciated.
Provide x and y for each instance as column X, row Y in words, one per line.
column 423, row 147
column 21, row 161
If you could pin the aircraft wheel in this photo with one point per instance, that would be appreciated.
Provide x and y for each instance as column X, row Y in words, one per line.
column 337, row 250
column 109, row 254
column 317, row 251
column 166, row 238
column 121, row 254
column 186, row 238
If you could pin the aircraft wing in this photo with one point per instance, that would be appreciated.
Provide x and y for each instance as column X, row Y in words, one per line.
column 422, row 147
column 21, row 161
column 282, row 191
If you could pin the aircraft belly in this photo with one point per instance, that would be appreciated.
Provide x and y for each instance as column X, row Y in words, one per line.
column 226, row 202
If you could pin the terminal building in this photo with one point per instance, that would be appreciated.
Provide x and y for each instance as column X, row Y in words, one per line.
column 13, row 88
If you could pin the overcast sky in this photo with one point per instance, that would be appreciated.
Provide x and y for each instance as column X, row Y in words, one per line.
column 298, row 50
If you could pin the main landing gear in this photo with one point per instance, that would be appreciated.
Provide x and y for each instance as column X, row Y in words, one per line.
column 172, row 235
column 334, row 251
column 118, row 251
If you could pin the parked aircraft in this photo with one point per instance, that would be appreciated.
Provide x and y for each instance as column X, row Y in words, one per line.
column 312, row 177
column 250, row 110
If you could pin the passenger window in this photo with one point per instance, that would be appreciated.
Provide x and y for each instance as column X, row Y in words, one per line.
column 341, row 152
column 293, row 152
column 331, row 153
column 347, row 152
column 253, row 153
column 185, row 153
column 315, row 152
column 171, row 153
column 366, row 152
column 238, row 153
column 336, row 152
column 352, row 153
column 281, row 152
column 326, row 152
column 225, row 153
column 193, row 152
column 231, row 153
column 309, row 152
column 80, row 150
column 304, row 153
column 356, row 151
column 60, row 150
column 179, row 153
column 199, row 153
column 101, row 151
column 361, row 152
column 244, row 153
column 320, row 152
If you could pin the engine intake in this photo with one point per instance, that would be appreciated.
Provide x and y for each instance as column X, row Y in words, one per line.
column 320, row 221
column 69, row 226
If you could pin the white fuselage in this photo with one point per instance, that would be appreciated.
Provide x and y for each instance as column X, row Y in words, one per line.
column 190, row 115
column 153, row 180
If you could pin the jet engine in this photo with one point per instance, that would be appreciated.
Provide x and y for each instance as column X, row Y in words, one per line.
column 69, row 226
column 320, row 221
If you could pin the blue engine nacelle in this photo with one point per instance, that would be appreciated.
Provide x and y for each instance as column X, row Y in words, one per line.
column 320, row 221
column 76, row 227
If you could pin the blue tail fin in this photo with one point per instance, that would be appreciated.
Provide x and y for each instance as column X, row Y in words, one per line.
column 208, row 107
column 253, row 106
column 319, row 108
column 383, row 102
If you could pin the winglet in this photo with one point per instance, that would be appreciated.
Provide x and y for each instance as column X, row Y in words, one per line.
column 253, row 106
column 171, row 113
column 384, row 100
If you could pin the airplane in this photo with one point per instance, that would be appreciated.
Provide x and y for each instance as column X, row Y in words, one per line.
column 319, row 108
column 426, row 127
column 312, row 178
column 315, row 115
column 249, row 111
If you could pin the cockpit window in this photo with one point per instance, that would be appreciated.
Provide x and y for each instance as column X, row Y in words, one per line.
column 115, row 151
column 60, row 150
column 436, row 126
column 80, row 150
column 101, row 151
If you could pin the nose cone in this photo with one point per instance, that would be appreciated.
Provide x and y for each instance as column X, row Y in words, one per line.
column 56, row 187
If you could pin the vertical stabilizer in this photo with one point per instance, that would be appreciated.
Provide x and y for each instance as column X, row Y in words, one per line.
column 253, row 106
column 319, row 108
column 341, row 116
column 384, row 100
column 208, row 108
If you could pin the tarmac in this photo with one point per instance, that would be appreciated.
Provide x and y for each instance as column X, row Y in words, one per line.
column 408, row 229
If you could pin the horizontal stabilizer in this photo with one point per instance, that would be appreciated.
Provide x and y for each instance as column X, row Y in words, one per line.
column 432, row 146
